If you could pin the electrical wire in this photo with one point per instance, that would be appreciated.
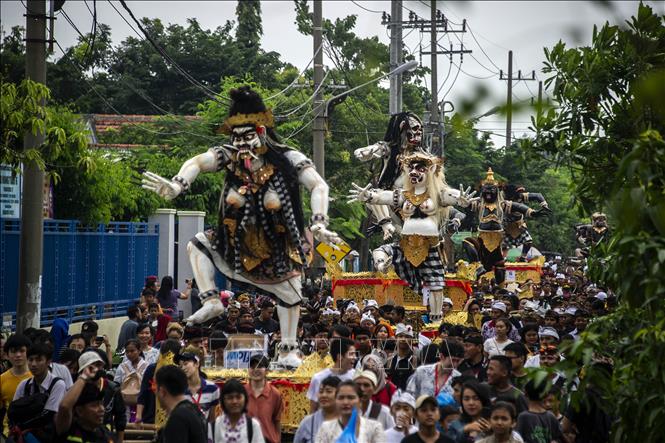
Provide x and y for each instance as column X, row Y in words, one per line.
column 316, row 91
column 453, row 83
column 366, row 9
column 298, row 76
column 130, row 86
column 93, row 31
column 209, row 92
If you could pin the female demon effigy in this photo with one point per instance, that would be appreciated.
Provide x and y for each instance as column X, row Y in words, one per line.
column 260, row 239
column 424, row 204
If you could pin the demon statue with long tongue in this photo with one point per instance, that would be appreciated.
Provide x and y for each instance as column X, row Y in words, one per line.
column 260, row 237
column 403, row 137
column 424, row 203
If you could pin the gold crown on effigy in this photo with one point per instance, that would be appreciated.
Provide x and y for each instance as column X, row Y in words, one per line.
column 421, row 157
column 264, row 118
column 489, row 179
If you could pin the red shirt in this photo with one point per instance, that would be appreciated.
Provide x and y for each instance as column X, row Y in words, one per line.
column 267, row 409
column 385, row 394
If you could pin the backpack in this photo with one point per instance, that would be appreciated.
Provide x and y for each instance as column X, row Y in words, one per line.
column 130, row 387
column 25, row 412
column 250, row 428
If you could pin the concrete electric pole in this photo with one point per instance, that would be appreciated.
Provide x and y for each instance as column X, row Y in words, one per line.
column 395, row 25
column 319, row 127
column 437, row 23
column 32, row 222
column 509, row 97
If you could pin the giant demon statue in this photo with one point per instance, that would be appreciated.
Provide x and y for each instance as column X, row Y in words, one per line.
column 424, row 204
column 260, row 238
column 593, row 234
column 403, row 137
column 516, row 232
column 492, row 211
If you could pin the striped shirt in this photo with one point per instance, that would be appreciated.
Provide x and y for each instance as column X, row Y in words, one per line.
column 206, row 398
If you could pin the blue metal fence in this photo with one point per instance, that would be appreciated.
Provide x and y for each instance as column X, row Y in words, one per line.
column 88, row 272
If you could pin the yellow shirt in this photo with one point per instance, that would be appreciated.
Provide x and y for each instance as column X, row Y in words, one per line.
column 8, row 384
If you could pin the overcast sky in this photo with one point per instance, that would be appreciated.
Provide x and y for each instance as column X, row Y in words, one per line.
column 526, row 27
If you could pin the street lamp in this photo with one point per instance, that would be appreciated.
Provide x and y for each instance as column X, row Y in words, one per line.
column 408, row 66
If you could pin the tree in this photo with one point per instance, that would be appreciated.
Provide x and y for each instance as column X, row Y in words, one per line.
column 250, row 29
column 607, row 131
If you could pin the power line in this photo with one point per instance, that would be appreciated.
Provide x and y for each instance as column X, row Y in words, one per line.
column 297, row 77
column 296, row 109
column 366, row 9
column 209, row 92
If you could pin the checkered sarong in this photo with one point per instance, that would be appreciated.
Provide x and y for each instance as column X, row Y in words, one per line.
column 510, row 242
column 429, row 274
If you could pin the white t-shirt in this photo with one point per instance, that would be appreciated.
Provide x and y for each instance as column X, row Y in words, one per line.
column 492, row 347
column 313, row 391
column 54, row 398
column 395, row 436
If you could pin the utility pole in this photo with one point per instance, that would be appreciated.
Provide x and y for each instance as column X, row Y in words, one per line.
column 509, row 99
column 434, row 128
column 32, row 222
column 318, row 129
column 395, row 105
column 437, row 23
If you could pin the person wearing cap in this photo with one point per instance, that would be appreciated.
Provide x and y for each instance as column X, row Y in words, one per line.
column 367, row 381
column 81, row 414
column 435, row 378
column 203, row 393
column 548, row 337
column 403, row 409
column 446, row 306
column 310, row 425
column 343, row 353
column 264, row 402
column 427, row 415
column 371, row 307
column 402, row 364
column 367, row 321
column 499, row 310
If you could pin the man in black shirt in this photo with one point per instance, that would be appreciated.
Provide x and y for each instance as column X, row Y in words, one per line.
column 264, row 322
column 427, row 414
column 185, row 423
column 474, row 361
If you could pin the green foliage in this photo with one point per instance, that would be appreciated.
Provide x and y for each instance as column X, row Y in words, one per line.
column 250, row 29
column 608, row 131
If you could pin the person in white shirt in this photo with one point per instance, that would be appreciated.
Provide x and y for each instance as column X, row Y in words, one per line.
column 403, row 409
column 348, row 405
column 310, row 425
column 366, row 381
column 496, row 345
column 42, row 380
column 343, row 353
column 234, row 424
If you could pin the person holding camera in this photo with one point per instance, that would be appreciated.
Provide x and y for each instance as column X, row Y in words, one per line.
column 80, row 416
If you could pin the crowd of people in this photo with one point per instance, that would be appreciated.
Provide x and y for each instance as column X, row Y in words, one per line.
column 385, row 379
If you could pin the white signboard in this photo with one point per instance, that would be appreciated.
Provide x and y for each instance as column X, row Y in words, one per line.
column 10, row 193
column 239, row 358
column 510, row 275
